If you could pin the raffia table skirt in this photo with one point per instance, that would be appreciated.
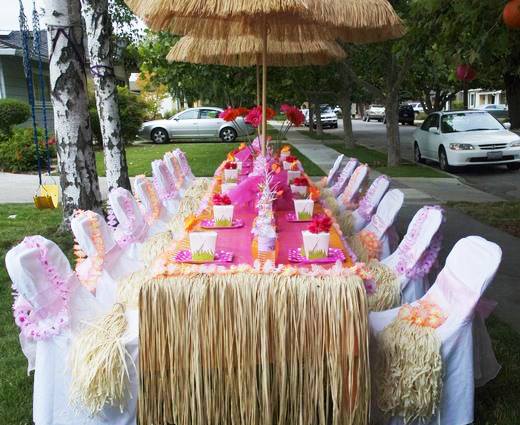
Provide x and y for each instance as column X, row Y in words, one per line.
column 253, row 348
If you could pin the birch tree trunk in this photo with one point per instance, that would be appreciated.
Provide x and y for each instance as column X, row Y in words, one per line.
column 99, row 35
column 76, row 159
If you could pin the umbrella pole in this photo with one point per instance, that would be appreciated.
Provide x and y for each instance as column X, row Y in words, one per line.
column 264, row 88
column 258, row 82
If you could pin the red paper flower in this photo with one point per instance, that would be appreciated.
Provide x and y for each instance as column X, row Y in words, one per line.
column 300, row 181
column 230, row 165
column 291, row 159
column 320, row 224
column 219, row 199
column 242, row 112
column 229, row 114
column 293, row 114
column 254, row 116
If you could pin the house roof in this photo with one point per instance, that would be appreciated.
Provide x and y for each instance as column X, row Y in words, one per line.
column 12, row 41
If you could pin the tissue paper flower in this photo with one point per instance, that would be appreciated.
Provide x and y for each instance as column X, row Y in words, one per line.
column 320, row 224
column 219, row 199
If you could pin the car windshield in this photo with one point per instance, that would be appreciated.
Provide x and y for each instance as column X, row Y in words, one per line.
column 326, row 110
column 376, row 106
column 457, row 123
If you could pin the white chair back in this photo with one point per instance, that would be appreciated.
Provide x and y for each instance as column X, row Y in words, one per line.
column 386, row 213
column 421, row 231
column 127, row 211
column 344, row 177
column 354, row 186
column 470, row 268
column 333, row 173
column 163, row 181
column 368, row 205
column 183, row 161
column 174, row 167
column 150, row 201
column 84, row 232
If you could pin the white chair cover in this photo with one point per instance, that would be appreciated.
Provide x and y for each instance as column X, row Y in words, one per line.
column 48, row 357
column 132, row 229
column 344, row 177
column 175, row 168
column 186, row 169
column 164, row 184
column 384, row 218
column 350, row 195
column 469, row 269
column 333, row 173
column 368, row 205
column 116, row 264
column 407, row 260
column 148, row 197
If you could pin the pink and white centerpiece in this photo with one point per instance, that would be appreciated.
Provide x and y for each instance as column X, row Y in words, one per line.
column 223, row 210
column 303, row 209
column 316, row 238
column 203, row 246
column 300, row 187
column 231, row 172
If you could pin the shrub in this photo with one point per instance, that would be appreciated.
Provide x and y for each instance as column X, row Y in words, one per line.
column 457, row 105
column 12, row 112
column 18, row 153
column 132, row 111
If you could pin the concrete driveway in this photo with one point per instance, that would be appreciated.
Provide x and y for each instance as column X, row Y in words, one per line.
column 496, row 180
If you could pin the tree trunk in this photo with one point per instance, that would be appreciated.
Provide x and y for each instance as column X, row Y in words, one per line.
column 99, row 34
column 319, row 126
column 311, row 118
column 76, row 159
column 512, row 84
column 348, row 135
column 392, row 129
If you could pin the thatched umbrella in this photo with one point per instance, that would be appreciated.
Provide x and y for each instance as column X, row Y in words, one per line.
column 358, row 21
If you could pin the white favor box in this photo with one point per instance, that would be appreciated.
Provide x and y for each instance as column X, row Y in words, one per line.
column 291, row 175
column 223, row 215
column 284, row 155
column 303, row 209
column 231, row 176
column 239, row 166
column 202, row 245
column 288, row 165
column 315, row 245
column 299, row 191
column 226, row 187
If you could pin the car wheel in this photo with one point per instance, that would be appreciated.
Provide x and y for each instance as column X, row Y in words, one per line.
column 444, row 165
column 160, row 136
column 335, row 125
column 513, row 166
column 228, row 134
column 417, row 153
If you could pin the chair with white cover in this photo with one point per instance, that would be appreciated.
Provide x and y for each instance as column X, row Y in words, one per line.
column 132, row 229
column 384, row 219
column 174, row 167
column 165, row 186
column 152, row 208
column 346, row 173
column 106, row 262
column 334, row 171
column 417, row 252
column 51, row 308
column 348, row 200
column 469, row 269
column 186, row 169
column 362, row 215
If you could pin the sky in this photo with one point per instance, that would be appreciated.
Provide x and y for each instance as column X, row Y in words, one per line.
column 9, row 11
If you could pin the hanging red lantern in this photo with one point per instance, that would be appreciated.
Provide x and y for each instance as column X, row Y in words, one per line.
column 465, row 73
column 511, row 14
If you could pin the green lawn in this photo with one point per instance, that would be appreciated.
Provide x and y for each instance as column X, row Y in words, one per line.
column 377, row 161
column 504, row 215
column 314, row 135
column 496, row 403
column 204, row 158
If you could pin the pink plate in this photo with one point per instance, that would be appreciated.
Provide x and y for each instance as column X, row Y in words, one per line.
column 210, row 224
column 291, row 218
column 221, row 257
column 335, row 254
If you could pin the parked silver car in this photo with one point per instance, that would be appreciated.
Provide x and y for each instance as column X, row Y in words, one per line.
column 195, row 123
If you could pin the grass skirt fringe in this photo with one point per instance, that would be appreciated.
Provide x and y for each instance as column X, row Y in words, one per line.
column 387, row 293
column 250, row 348
column 98, row 364
column 408, row 371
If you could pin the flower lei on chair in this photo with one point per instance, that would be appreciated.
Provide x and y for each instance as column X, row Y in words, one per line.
column 409, row 363
column 127, row 236
column 96, row 266
column 42, row 324
column 154, row 214
column 167, row 191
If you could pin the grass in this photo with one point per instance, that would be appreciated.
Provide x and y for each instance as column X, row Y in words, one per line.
column 503, row 215
column 496, row 403
column 377, row 160
column 315, row 136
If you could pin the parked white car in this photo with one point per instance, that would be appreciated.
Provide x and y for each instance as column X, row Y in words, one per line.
column 374, row 112
column 417, row 107
column 329, row 119
column 455, row 139
column 195, row 123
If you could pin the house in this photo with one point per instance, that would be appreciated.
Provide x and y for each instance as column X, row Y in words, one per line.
column 479, row 97
column 12, row 76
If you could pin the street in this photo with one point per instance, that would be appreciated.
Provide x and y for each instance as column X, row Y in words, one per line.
column 496, row 180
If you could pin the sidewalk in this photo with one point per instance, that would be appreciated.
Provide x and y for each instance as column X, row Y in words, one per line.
column 423, row 191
